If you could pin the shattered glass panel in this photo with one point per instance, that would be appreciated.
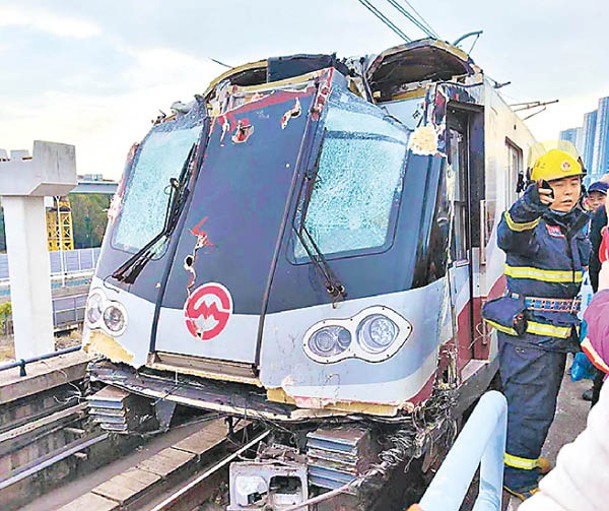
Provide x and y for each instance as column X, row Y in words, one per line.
column 359, row 176
column 143, row 210
column 408, row 111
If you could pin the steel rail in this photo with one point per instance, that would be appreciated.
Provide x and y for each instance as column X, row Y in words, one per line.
column 70, row 449
column 183, row 492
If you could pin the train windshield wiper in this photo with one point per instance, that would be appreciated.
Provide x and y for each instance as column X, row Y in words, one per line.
column 178, row 193
column 331, row 282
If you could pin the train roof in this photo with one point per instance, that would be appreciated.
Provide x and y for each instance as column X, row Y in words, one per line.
column 387, row 74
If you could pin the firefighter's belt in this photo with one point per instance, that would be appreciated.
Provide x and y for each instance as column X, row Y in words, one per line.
column 536, row 304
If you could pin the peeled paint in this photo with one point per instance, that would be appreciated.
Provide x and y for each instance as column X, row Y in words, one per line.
column 424, row 141
column 99, row 343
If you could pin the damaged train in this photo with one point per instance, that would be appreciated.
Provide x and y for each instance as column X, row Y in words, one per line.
column 308, row 245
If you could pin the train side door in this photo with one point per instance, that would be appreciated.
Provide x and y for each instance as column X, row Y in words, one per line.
column 466, row 160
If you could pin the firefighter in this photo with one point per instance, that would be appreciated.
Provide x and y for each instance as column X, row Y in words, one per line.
column 544, row 236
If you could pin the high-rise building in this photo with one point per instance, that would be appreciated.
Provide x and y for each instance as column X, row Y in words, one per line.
column 600, row 160
column 588, row 133
column 575, row 136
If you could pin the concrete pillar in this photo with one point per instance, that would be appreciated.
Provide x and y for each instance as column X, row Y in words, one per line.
column 24, row 182
column 29, row 273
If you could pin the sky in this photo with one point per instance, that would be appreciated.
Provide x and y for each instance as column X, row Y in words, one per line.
column 94, row 73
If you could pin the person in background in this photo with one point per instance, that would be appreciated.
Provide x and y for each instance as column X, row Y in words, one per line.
column 597, row 193
column 544, row 236
column 580, row 480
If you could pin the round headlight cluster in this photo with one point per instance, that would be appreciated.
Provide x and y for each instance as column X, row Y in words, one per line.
column 104, row 313
column 329, row 341
column 95, row 308
column 374, row 334
column 114, row 318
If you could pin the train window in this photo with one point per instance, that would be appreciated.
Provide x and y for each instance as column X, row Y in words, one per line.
column 458, row 160
column 161, row 157
column 358, row 183
column 514, row 167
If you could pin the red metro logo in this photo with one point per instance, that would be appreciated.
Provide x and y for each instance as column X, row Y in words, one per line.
column 207, row 310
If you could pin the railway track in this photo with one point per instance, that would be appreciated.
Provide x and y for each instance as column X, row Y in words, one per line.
column 45, row 434
column 182, row 477
column 49, row 441
column 201, row 488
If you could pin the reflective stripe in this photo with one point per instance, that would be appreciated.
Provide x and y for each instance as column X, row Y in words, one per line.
column 517, row 462
column 519, row 226
column 562, row 332
column 528, row 272
column 501, row 328
column 593, row 355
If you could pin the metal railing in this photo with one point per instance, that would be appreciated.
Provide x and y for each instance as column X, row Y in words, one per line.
column 62, row 262
column 68, row 311
column 22, row 362
column 481, row 442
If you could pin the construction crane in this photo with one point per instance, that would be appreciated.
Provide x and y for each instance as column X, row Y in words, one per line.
column 59, row 225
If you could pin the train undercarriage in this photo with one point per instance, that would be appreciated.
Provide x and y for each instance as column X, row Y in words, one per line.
column 335, row 460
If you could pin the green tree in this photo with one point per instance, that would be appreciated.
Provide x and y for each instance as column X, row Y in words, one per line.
column 89, row 218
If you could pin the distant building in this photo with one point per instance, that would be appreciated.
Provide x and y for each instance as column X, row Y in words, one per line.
column 588, row 135
column 600, row 160
column 575, row 136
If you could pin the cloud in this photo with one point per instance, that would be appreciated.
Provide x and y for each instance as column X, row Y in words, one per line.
column 44, row 21
column 103, row 126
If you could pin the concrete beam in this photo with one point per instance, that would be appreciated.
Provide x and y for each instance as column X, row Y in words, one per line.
column 50, row 171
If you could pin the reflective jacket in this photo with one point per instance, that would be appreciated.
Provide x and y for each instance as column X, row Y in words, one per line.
column 546, row 256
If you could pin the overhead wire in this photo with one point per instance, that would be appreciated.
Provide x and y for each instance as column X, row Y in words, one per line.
column 423, row 20
column 390, row 24
column 422, row 26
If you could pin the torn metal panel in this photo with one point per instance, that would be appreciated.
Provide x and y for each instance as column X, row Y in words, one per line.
column 279, row 395
column 409, row 65
column 219, row 396
column 99, row 343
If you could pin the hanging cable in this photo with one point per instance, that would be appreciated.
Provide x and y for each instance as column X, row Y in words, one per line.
column 423, row 20
column 411, row 18
column 384, row 19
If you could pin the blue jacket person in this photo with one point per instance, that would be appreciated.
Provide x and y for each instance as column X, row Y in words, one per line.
column 544, row 236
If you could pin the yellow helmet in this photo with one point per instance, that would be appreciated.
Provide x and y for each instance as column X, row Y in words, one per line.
column 555, row 160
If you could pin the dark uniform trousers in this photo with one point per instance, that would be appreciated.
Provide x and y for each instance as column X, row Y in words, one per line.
column 531, row 379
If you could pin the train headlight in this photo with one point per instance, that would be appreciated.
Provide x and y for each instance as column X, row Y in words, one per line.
column 115, row 318
column 329, row 341
column 376, row 333
column 95, row 309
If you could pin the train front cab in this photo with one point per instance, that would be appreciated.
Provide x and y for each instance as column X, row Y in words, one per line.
column 331, row 255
